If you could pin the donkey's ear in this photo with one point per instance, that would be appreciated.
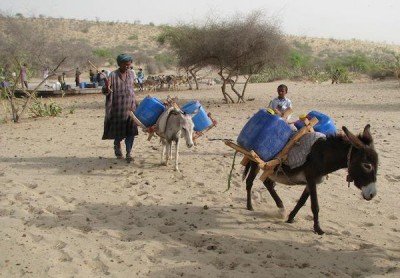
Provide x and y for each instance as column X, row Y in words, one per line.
column 366, row 136
column 354, row 140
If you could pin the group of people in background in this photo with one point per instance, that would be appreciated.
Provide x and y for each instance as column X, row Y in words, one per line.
column 138, row 78
column 99, row 77
column 7, row 75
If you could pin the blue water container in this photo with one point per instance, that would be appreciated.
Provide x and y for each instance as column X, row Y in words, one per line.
column 325, row 124
column 82, row 85
column 149, row 110
column 200, row 119
column 266, row 134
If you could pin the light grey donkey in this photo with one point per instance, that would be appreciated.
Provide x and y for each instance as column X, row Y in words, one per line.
column 171, row 126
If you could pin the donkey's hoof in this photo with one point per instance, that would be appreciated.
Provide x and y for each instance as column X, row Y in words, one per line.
column 290, row 220
column 282, row 213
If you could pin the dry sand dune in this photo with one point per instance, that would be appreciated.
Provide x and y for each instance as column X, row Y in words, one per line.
column 68, row 208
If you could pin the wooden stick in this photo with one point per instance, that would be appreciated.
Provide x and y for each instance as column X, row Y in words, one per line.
column 250, row 154
column 266, row 174
column 287, row 113
column 201, row 133
column 93, row 65
column 245, row 160
column 136, row 120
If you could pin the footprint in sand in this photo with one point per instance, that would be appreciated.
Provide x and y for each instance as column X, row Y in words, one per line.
column 31, row 185
column 392, row 178
column 99, row 266
column 64, row 256
column 36, row 238
column 110, row 254
column 368, row 224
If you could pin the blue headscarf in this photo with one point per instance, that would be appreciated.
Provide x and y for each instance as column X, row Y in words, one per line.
column 121, row 58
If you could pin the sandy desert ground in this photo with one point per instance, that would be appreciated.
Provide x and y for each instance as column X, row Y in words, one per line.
column 68, row 208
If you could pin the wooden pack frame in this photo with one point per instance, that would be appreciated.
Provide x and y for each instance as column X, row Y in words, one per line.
column 268, row 167
column 171, row 103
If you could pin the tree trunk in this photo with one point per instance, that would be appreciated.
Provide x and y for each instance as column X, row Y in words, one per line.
column 193, row 73
column 227, row 97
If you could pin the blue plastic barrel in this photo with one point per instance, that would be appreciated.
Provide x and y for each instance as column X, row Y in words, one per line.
column 325, row 124
column 82, row 85
column 266, row 134
column 200, row 119
column 149, row 110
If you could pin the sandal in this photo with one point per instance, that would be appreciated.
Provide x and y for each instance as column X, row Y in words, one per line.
column 129, row 158
column 117, row 151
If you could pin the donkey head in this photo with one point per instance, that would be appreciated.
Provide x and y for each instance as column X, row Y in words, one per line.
column 362, row 162
column 187, row 129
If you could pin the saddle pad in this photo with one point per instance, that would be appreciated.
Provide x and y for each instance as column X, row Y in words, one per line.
column 162, row 121
column 298, row 154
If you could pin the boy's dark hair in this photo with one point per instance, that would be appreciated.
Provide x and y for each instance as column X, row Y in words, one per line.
column 282, row 87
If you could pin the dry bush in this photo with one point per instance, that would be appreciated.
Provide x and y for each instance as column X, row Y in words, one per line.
column 243, row 46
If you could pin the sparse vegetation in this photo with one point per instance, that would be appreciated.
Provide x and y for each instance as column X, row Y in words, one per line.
column 133, row 37
column 40, row 108
column 18, row 105
column 216, row 45
column 42, row 41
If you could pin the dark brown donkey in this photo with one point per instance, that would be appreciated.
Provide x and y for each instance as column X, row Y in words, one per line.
column 327, row 155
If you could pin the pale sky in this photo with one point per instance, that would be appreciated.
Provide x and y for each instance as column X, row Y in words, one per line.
column 372, row 20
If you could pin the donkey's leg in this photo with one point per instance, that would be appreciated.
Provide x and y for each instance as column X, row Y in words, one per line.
column 300, row 203
column 249, row 182
column 164, row 148
column 176, row 154
column 168, row 150
column 270, row 185
column 315, row 208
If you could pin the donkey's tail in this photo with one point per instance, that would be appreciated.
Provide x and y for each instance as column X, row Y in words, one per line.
column 246, row 170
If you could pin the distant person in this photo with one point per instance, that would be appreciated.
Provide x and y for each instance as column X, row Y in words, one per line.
column 102, row 78
column 77, row 77
column 6, row 76
column 61, row 85
column 282, row 105
column 140, row 79
column 91, row 75
column 120, row 101
column 24, row 76
column 45, row 75
column 336, row 76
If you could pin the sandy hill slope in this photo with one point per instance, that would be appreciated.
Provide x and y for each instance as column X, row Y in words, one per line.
column 110, row 34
